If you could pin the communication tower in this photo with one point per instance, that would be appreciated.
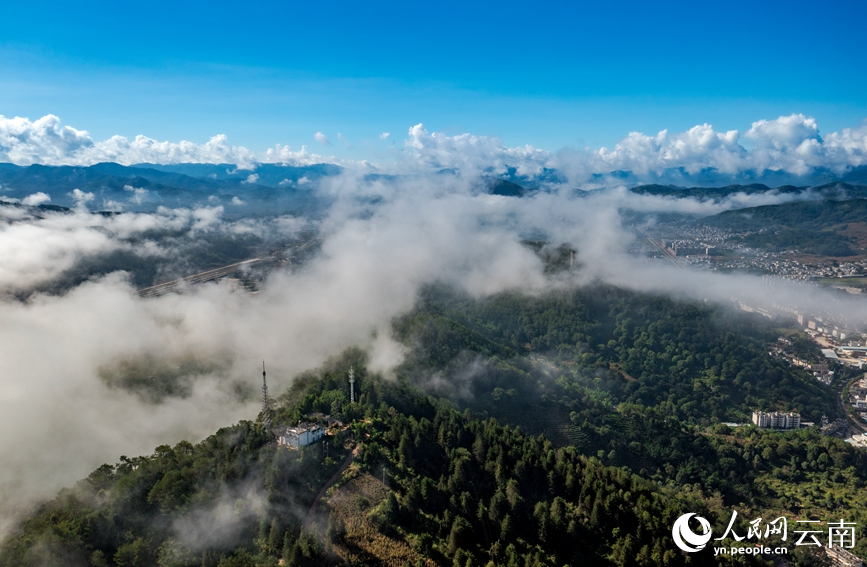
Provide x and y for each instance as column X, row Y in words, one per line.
column 266, row 407
column 351, row 384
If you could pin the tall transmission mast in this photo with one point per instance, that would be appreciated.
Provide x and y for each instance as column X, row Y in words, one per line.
column 266, row 407
column 351, row 384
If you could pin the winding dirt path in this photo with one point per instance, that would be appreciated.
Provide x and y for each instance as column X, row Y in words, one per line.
column 345, row 465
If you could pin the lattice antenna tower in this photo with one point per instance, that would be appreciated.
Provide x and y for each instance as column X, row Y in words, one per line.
column 266, row 407
column 351, row 384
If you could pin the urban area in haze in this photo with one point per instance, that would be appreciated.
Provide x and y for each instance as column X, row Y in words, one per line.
column 469, row 285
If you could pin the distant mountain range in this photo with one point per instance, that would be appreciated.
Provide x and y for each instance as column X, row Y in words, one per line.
column 274, row 189
column 835, row 190
column 271, row 188
column 712, row 177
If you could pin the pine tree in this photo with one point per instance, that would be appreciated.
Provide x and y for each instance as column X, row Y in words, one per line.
column 275, row 536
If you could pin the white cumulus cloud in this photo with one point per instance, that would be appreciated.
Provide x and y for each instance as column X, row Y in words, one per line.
column 476, row 153
column 286, row 156
column 36, row 199
column 46, row 141
column 792, row 144
column 139, row 194
column 80, row 197
column 697, row 148
column 788, row 143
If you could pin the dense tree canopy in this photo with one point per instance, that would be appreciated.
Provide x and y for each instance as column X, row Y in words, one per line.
column 566, row 429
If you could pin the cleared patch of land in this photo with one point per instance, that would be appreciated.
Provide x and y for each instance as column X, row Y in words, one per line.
column 363, row 543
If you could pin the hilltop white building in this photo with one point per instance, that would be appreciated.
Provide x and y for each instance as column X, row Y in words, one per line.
column 300, row 436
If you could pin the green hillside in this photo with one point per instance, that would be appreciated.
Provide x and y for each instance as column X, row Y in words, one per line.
column 804, row 215
column 564, row 429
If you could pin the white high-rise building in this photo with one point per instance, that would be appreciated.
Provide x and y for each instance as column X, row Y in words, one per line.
column 777, row 420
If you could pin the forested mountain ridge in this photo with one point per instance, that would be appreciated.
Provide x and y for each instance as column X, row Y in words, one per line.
column 459, row 490
column 699, row 362
column 565, row 429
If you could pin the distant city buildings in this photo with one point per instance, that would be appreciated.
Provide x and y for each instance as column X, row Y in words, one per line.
column 692, row 251
column 777, row 420
column 858, row 398
column 830, row 354
column 837, row 428
column 859, row 388
column 859, row 440
column 839, row 343
column 855, row 351
column 820, row 367
column 720, row 248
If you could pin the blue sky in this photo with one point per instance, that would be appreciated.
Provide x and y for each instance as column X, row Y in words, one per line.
column 548, row 74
